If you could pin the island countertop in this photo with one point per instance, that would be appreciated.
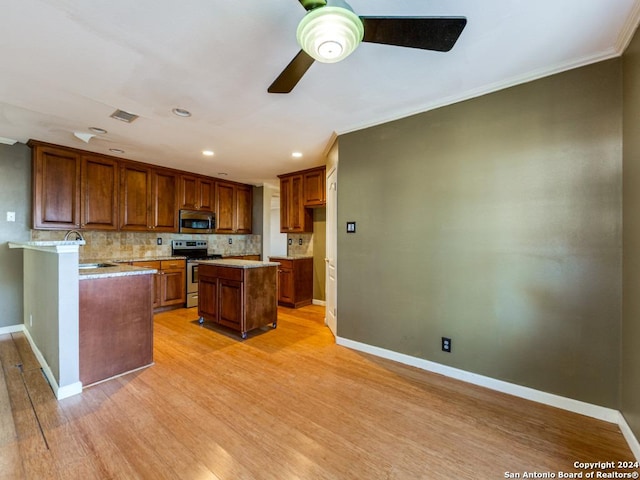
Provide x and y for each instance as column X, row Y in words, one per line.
column 237, row 263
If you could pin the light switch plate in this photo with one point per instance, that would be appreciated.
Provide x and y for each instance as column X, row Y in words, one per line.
column 11, row 216
column 351, row 227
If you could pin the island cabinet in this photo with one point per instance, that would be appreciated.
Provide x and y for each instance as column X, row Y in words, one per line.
column 239, row 294
column 295, row 281
column 233, row 203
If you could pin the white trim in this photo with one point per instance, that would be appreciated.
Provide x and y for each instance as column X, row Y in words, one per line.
column 322, row 303
column 595, row 411
column 60, row 392
column 628, row 29
column 11, row 329
column 629, row 436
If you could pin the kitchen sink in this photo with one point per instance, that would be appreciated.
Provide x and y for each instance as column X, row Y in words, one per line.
column 83, row 266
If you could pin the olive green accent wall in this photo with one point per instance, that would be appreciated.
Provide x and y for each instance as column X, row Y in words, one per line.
column 496, row 222
column 630, row 378
column 15, row 196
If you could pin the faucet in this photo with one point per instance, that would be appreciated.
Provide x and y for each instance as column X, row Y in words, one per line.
column 77, row 234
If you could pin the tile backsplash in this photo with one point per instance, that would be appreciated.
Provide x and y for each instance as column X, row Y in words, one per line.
column 295, row 248
column 140, row 245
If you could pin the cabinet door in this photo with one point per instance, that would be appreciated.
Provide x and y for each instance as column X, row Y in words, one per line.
column 206, row 192
column 297, row 206
column 231, row 305
column 135, row 196
column 314, row 188
column 173, row 287
column 285, row 286
column 99, row 193
column 208, row 297
column 243, row 209
column 285, row 205
column 164, row 195
column 224, row 207
column 56, row 196
column 188, row 192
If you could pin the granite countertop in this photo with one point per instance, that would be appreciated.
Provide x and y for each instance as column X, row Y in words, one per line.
column 289, row 257
column 235, row 263
column 115, row 271
column 147, row 259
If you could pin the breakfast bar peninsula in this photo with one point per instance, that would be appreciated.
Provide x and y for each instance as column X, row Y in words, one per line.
column 239, row 294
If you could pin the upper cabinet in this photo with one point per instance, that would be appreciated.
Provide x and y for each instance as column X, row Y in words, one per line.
column 99, row 193
column 56, row 187
column 74, row 189
column 300, row 191
column 148, row 199
column 196, row 193
column 233, row 208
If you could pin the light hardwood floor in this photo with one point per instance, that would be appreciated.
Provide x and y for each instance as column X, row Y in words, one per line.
column 283, row 404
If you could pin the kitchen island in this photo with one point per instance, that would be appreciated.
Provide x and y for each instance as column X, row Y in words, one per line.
column 238, row 294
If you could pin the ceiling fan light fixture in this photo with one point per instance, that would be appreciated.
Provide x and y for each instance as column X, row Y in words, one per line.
column 330, row 34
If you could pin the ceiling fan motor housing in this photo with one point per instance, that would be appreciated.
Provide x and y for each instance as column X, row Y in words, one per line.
column 330, row 34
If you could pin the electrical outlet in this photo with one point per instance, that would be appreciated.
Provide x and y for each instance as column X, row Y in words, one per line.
column 290, row 241
column 11, row 216
column 446, row 344
column 159, row 241
column 299, row 241
column 231, row 241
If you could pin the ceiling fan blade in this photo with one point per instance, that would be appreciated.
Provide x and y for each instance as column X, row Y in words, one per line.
column 428, row 33
column 311, row 4
column 292, row 73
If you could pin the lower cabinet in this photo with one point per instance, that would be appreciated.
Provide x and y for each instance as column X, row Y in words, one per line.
column 295, row 281
column 169, row 284
column 239, row 298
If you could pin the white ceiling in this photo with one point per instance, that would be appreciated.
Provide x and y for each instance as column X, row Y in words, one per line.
column 68, row 64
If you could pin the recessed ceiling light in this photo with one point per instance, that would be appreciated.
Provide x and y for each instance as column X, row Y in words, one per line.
column 116, row 150
column 181, row 112
column 207, row 153
column 98, row 130
column 296, row 154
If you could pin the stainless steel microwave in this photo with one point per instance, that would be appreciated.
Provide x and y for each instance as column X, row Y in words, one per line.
column 192, row 221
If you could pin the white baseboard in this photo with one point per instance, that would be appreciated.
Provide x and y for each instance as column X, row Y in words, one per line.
column 319, row 302
column 631, row 439
column 11, row 329
column 595, row 411
column 60, row 392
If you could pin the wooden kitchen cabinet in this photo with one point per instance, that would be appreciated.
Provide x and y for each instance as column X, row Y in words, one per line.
column 233, row 203
column 56, row 187
column 73, row 190
column 295, row 281
column 294, row 217
column 99, row 193
column 169, row 283
column 197, row 193
column 239, row 298
column 314, row 187
column 148, row 199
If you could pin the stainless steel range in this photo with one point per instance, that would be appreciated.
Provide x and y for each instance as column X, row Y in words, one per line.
column 193, row 250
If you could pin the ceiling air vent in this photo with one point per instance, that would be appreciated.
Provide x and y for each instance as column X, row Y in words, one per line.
column 124, row 116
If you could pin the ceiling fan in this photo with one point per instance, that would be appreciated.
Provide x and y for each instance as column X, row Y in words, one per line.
column 330, row 31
